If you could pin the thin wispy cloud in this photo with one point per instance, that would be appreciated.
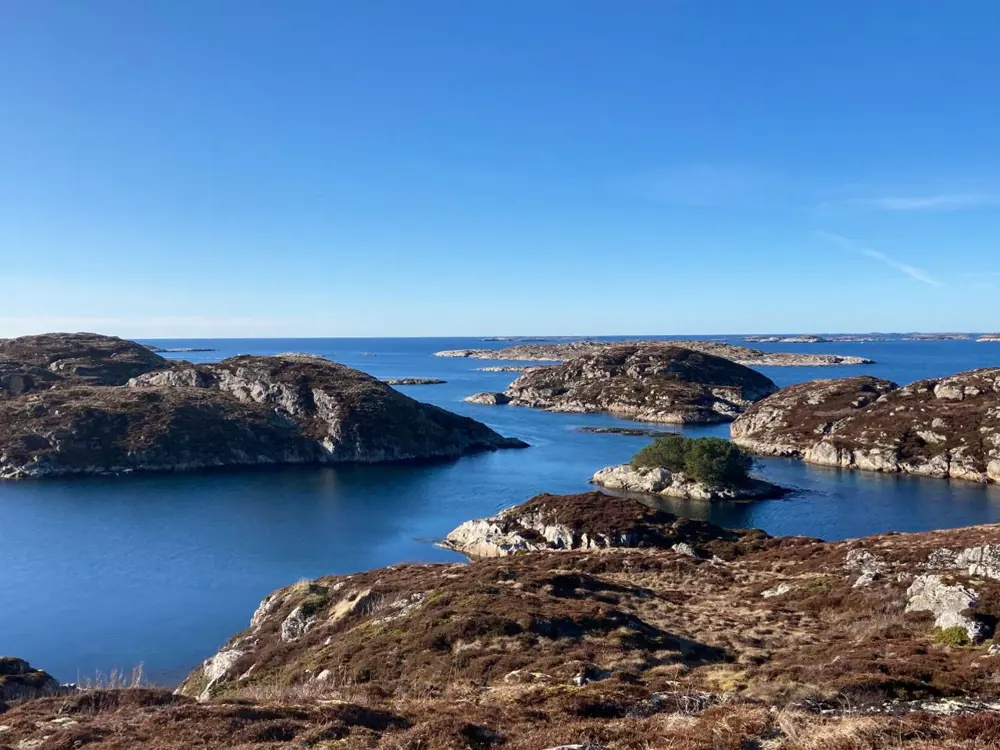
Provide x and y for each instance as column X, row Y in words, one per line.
column 939, row 202
column 906, row 269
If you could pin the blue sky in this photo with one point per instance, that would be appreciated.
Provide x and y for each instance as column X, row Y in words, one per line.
column 447, row 167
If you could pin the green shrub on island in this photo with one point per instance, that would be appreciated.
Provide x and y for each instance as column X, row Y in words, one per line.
column 711, row 460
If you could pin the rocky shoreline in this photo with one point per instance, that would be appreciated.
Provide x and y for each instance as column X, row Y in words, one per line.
column 742, row 355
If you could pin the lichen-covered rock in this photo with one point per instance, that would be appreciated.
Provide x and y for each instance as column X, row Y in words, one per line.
column 19, row 680
column 650, row 480
column 654, row 384
column 948, row 427
column 949, row 603
column 589, row 521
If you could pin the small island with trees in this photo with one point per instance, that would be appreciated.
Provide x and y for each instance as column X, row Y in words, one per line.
column 706, row 468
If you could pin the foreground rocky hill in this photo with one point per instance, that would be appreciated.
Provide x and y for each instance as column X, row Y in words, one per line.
column 291, row 409
column 945, row 427
column 612, row 625
column 658, row 384
column 562, row 352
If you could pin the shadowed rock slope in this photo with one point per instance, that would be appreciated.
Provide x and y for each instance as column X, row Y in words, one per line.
column 657, row 384
column 944, row 427
column 290, row 409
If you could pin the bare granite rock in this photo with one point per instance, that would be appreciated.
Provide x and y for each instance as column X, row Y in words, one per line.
column 948, row 602
column 659, row 384
column 946, row 427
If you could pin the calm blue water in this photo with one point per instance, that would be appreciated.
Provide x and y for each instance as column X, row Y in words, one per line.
column 100, row 573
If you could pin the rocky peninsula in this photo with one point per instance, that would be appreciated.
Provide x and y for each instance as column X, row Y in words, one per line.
column 742, row 355
column 656, row 384
column 592, row 621
column 88, row 404
column 944, row 427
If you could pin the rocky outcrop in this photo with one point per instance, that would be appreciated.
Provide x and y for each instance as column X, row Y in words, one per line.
column 414, row 381
column 658, row 481
column 669, row 385
column 19, row 680
column 81, row 358
column 488, row 398
column 51, row 360
column 580, row 522
column 742, row 355
column 947, row 427
column 289, row 409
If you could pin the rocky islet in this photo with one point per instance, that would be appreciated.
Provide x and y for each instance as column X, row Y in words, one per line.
column 669, row 385
column 88, row 404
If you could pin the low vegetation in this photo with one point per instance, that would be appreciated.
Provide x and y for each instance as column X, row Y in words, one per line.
column 711, row 460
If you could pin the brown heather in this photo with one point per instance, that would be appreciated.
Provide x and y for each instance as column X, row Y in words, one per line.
column 627, row 649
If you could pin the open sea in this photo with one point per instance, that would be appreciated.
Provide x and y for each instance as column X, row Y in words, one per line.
column 106, row 573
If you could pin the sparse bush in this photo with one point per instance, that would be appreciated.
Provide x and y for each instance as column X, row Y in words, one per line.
column 953, row 636
column 313, row 604
column 711, row 460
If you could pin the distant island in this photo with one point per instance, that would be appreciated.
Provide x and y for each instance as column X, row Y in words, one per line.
column 740, row 354
column 414, row 381
column 812, row 339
